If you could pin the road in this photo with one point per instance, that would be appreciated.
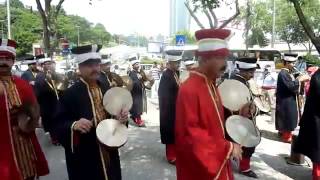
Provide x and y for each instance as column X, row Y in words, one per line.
column 142, row 158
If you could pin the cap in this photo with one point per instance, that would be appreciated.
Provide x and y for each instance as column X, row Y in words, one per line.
column 8, row 48
column 188, row 63
column 247, row 63
column 105, row 59
column 173, row 55
column 133, row 59
column 213, row 42
column 290, row 57
column 85, row 53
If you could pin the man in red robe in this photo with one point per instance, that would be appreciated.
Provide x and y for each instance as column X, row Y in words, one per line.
column 21, row 157
column 203, row 152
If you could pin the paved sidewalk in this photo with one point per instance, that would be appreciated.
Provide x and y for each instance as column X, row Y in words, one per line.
column 142, row 158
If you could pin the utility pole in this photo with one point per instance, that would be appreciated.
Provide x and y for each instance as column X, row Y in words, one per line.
column 78, row 44
column 273, row 24
column 9, row 19
column 2, row 33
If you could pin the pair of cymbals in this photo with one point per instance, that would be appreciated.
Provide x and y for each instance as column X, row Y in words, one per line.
column 111, row 132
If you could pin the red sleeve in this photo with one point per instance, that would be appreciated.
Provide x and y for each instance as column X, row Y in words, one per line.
column 25, row 91
column 192, row 132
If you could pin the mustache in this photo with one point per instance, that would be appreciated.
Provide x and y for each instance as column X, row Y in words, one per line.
column 94, row 73
column 4, row 66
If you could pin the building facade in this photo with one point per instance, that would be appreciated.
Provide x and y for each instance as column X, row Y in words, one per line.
column 179, row 16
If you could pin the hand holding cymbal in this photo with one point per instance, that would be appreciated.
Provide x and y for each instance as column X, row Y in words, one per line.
column 236, row 151
column 123, row 116
column 247, row 110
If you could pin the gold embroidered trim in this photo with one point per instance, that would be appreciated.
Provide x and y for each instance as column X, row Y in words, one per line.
column 10, row 133
column 176, row 78
column 219, row 117
column 72, row 133
column 96, row 123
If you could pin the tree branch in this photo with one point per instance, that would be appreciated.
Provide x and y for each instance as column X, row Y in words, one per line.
column 58, row 8
column 193, row 15
column 215, row 19
column 232, row 17
column 47, row 4
column 306, row 26
column 209, row 18
column 305, row 46
column 40, row 9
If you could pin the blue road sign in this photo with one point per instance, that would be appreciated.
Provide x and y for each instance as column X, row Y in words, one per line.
column 180, row 40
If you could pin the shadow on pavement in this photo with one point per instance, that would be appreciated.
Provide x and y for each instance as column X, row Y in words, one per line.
column 280, row 165
column 143, row 157
column 270, row 135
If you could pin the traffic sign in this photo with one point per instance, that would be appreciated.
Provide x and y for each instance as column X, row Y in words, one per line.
column 180, row 40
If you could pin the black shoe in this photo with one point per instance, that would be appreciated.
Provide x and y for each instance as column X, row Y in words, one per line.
column 250, row 174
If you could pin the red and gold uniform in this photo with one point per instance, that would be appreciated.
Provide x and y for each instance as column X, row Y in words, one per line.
column 21, row 157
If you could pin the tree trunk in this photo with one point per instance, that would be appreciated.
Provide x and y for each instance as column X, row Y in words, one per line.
column 310, row 46
column 306, row 26
column 289, row 47
column 46, row 38
column 49, row 24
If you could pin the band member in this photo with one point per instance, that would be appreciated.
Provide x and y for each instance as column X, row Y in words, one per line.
column 202, row 150
column 307, row 142
column 111, row 78
column 47, row 95
column 31, row 74
column 190, row 65
column 79, row 112
column 287, row 110
column 138, row 92
column 21, row 157
column 247, row 68
column 168, row 91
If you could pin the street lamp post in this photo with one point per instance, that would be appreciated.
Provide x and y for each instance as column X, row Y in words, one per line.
column 78, row 27
column 273, row 24
column 9, row 19
column 2, row 33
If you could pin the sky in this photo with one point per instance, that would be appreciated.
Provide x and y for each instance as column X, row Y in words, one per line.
column 143, row 17
column 147, row 17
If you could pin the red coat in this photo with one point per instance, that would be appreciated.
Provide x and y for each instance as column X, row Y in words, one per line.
column 8, row 166
column 202, row 150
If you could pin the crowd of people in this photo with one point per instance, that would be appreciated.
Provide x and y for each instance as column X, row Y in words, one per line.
column 192, row 113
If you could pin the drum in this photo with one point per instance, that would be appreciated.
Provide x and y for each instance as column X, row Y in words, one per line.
column 112, row 133
column 243, row 131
